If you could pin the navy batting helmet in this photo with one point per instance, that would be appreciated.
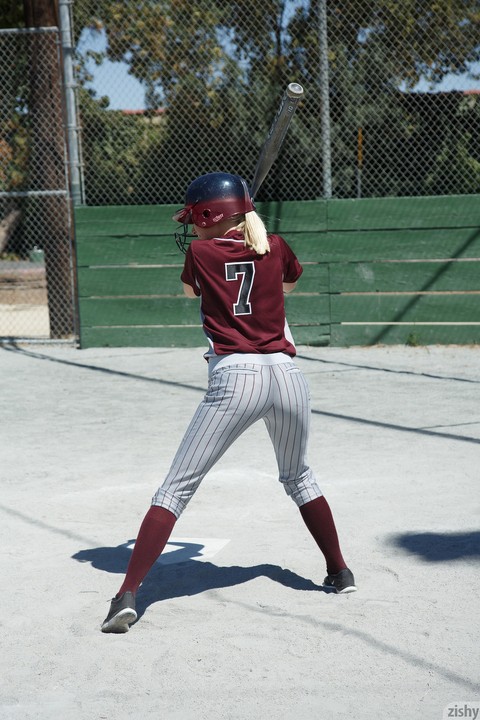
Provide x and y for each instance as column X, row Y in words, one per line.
column 214, row 197
column 211, row 198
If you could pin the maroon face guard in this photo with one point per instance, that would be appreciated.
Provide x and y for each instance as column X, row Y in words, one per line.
column 184, row 216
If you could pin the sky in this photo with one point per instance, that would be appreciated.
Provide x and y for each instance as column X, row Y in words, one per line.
column 126, row 93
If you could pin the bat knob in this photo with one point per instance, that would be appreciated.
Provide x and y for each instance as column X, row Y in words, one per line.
column 294, row 90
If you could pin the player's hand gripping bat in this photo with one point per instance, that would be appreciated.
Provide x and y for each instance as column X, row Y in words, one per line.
column 273, row 142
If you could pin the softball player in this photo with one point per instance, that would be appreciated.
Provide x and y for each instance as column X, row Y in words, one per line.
column 240, row 273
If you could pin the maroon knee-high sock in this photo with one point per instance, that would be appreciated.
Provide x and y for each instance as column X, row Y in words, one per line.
column 319, row 520
column 152, row 537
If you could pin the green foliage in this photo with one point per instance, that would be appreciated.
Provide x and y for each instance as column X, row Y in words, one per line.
column 416, row 40
column 11, row 14
column 116, row 147
column 456, row 165
column 412, row 340
column 204, row 62
column 15, row 123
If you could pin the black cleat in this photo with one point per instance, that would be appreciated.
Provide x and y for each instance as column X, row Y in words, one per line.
column 342, row 582
column 122, row 614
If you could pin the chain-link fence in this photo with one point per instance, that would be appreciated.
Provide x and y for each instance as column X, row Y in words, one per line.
column 378, row 118
column 36, row 261
column 391, row 108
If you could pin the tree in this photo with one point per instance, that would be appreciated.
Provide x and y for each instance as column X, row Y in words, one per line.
column 218, row 70
column 377, row 50
column 13, row 131
column 11, row 14
column 116, row 146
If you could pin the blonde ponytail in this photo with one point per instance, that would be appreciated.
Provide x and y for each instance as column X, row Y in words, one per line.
column 254, row 233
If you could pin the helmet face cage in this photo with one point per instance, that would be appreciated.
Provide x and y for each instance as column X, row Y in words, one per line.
column 209, row 199
column 183, row 238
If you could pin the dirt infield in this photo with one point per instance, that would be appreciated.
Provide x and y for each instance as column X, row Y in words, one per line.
column 23, row 300
column 234, row 623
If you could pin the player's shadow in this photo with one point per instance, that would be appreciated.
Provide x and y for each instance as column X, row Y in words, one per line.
column 440, row 547
column 181, row 575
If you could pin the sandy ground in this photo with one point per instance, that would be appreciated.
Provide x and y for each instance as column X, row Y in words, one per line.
column 234, row 623
column 24, row 320
column 23, row 300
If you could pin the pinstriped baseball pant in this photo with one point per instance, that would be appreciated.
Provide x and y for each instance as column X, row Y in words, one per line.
column 238, row 396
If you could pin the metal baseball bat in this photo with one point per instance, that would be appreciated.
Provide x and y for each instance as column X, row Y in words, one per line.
column 273, row 142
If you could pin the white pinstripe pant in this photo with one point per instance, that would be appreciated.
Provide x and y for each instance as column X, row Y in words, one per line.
column 237, row 396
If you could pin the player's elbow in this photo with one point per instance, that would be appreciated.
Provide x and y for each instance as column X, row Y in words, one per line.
column 189, row 291
column 288, row 287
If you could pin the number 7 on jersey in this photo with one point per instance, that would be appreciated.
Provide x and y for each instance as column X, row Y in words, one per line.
column 245, row 270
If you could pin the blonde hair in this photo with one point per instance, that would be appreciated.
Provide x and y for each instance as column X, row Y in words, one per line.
column 254, row 233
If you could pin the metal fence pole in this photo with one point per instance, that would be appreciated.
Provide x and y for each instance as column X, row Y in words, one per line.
column 325, row 100
column 73, row 130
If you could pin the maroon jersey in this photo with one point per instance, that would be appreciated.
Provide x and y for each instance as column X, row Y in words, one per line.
column 241, row 293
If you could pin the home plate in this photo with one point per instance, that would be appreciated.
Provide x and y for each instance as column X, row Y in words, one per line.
column 179, row 550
